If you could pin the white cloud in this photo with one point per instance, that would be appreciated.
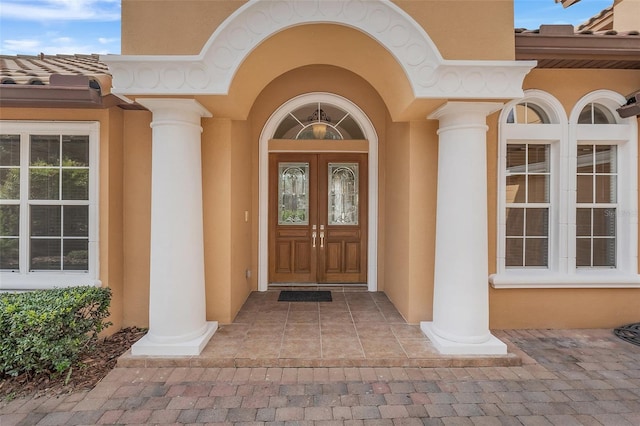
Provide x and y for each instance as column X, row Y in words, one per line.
column 20, row 46
column 61, row 10
column 52, row 46
column 105, row 40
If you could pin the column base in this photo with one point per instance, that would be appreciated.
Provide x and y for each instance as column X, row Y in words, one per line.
column 190, row 347
column 493, row 346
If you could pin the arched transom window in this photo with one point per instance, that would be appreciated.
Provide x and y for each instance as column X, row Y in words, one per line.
column 318, row 120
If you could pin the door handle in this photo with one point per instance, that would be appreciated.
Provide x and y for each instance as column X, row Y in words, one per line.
column 313, row 235
column 321, row 239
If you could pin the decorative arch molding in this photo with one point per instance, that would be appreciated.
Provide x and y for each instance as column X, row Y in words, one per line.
column 211, row 72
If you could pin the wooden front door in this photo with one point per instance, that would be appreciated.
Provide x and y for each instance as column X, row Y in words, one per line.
column 318, row 218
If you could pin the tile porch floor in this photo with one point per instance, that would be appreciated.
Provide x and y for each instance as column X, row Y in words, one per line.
column 357, row 329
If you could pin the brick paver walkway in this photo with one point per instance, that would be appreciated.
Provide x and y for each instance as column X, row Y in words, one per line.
column 568, row 377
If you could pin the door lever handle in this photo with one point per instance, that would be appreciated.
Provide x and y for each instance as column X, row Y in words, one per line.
column 313, row 235
column 321, row 239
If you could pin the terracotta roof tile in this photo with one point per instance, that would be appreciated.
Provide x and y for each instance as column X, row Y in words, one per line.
column 36, row 70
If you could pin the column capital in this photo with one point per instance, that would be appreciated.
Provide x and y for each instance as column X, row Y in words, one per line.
column 174, row 110
column 464, row 114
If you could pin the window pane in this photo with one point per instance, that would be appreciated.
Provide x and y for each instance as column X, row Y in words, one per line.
column 76, row 255
column 44, row 184
column 75, row 151
column 516, row 189
column 516, row 157
column 606, row 190
column 75, row 184
column 604, row 222
column 9, row 253
column 584, row 189
column 536, row 252
column 513, row 253
column 46, row 221
column 9, row 150
column 585, row 159
column 76, row 221
column 515, row 222
column 45, row 150
column 583, row 222
column 343, row 194
column 9, row 221
column 10, row 184
column 538, row 158
column 537, row 223
column 527, row 113
column 293, row 193
column 45, row 254
column 602, row 115
column 583, row 252
column 606, row 159
column 604, row 252
column 538, row 189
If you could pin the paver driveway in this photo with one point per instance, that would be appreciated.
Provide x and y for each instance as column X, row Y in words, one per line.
column 568, row 377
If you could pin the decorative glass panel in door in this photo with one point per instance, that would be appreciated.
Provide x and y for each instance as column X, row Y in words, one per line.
column 343, row 194
column 293, row 193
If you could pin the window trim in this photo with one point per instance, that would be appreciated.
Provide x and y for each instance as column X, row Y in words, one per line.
column 563, row 134
column 28, row 280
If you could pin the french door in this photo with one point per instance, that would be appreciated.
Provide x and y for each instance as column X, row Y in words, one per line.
column 318, row 218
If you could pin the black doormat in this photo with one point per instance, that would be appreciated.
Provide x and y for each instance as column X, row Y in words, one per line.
column 304, row 296
column 629, row 332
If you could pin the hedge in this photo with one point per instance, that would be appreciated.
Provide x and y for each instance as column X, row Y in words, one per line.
column 47, row 330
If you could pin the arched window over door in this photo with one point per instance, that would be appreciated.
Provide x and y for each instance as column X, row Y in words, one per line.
column 318, row 120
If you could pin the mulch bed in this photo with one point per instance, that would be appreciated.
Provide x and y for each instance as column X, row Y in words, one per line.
column 93, row 367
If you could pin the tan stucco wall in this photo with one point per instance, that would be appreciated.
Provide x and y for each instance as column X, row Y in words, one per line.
column 457, row 27
column 626, row 15
column 559, row 308
column 411, row 182
column 423, row 166
column 216, row 180
column 110, row 201
column 396, row 225
column 137, row 216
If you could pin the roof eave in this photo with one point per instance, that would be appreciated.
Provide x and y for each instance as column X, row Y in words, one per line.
column 577, row 47
column 14, row 95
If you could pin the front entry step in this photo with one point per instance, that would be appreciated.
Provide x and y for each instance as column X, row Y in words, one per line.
column 355, row 329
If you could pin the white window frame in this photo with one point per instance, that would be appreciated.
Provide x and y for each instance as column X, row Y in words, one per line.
column 563, row 134
column 623, row 134
column 24, row 279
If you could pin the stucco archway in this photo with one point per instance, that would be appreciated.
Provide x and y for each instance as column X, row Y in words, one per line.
column 371, row 136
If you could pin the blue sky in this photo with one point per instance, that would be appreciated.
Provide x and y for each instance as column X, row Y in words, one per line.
column 93, row 26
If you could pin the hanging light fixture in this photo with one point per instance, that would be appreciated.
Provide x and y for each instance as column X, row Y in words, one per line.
column 319, row 120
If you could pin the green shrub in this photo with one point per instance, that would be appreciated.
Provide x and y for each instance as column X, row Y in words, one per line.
column 47, row 330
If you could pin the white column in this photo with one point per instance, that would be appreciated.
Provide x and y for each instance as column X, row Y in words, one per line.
column 177, row 311
column 461, row 293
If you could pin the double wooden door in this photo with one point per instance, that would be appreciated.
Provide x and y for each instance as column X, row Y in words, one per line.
column 318, row 218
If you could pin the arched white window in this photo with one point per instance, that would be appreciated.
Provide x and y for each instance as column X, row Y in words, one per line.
column 603, row 173
column 529, row 183
column 568, row 196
